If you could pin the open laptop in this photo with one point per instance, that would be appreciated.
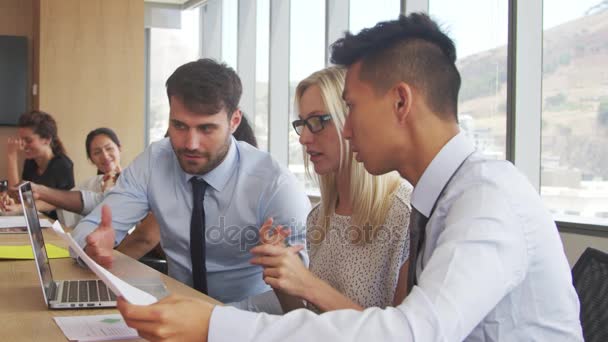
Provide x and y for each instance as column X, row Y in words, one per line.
column 60, row 294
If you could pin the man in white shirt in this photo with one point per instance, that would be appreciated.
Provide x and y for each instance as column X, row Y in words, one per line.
column 491, row 266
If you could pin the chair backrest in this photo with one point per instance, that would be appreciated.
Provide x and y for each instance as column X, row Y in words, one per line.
column 590, row 278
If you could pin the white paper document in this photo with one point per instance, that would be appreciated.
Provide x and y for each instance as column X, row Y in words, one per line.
column 19, row 221
column 121, row 288
column 95, row 328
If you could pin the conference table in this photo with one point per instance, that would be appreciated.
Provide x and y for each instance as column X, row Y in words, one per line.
column 24, row 315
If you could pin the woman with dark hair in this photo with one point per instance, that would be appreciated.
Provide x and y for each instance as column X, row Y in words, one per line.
column 103, row 150
column 45, row 159
column 245, row 132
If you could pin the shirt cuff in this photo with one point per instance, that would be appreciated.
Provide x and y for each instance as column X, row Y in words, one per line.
column 222, row 324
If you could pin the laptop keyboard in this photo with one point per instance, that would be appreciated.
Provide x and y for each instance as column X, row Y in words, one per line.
column 78, row 291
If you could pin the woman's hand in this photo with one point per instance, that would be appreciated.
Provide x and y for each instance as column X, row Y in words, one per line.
column 284, row 270
column 38, row 190
column 9, row 205
column 273, row 235
column 14, row 146
column 109, row 180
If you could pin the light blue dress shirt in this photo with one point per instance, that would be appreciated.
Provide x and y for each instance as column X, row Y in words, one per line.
column 244, row 190
column 492, row 269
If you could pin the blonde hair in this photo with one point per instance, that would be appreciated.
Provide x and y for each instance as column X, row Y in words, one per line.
column 370, row 195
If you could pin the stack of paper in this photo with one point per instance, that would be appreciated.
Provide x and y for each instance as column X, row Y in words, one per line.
column 95, row 328
column 19, row 221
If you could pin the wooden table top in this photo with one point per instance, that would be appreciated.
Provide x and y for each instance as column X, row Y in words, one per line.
column 24, row 315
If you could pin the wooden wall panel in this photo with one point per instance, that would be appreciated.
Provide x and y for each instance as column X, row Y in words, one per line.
column 91, row 70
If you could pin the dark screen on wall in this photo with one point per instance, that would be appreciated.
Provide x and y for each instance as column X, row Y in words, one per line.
column 13, row 78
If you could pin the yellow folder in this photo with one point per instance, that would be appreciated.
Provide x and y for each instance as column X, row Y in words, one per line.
column 25, row 252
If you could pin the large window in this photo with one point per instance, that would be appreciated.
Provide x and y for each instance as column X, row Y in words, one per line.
column 262, row 59
column 230, row 15
column 169, row 48
column 481, row 46
column 365, row 13
column 306, row 55
column 574, row 163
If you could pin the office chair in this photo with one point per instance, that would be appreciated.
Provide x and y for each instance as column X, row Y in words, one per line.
column 590, row 278
column 155, row 259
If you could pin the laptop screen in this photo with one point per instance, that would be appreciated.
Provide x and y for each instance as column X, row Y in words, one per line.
column 38, row 247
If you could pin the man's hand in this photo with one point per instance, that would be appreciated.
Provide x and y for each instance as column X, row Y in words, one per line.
column 100, row 243
column 175, row 318
column 284, row 270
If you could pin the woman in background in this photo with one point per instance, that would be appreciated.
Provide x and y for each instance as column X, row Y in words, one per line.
column 46, row 161
column 103, row 150
column 245, row 132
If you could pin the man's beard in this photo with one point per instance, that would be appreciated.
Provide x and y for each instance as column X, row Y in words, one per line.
column 210, row 161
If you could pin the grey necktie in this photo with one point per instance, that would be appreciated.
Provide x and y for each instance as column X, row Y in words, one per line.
column 417, row 227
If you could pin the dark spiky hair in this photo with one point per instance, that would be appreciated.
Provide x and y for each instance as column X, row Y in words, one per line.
column 411, row 49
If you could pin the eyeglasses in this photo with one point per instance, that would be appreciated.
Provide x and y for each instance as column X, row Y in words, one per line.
column 315, row 123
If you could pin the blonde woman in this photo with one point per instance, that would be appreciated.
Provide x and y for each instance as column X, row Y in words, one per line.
column 357, row 235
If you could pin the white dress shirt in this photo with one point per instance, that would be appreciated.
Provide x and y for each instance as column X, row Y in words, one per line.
column 492, row 269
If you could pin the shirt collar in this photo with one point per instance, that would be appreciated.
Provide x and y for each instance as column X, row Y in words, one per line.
column 439, row 171
column 218, row 177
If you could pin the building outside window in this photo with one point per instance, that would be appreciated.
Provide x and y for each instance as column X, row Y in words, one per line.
column 574, row 161
column 481, row 50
